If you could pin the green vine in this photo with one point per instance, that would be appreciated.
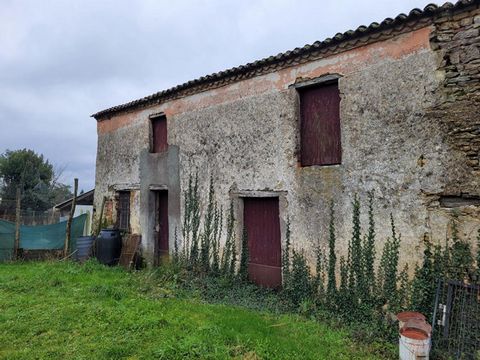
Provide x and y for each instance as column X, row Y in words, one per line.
column 368, row 257
column 424, row 284
column 355, row 252
column 364, row 292
column 286, row 255
column 244, row 257
column 332, row 257
column 389, row 267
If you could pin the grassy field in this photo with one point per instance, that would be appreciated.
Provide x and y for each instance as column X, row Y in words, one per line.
column 68, row 311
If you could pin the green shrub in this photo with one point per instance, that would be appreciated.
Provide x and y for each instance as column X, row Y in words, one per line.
column 299, row 287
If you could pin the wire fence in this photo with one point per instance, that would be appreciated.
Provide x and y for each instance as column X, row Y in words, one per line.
column 32, row 217
column 456, row 321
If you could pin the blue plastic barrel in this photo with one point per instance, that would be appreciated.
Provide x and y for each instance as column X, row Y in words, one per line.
column 84, row 247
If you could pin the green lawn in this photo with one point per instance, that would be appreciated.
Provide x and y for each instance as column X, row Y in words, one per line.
column 68, row 311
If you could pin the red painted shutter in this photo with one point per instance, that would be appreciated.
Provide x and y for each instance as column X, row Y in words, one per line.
column 163, row 222
column 159, row 126
column 262, row 223
column 320, row 125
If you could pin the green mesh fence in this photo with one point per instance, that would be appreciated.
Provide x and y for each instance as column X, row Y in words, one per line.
column 44, row 237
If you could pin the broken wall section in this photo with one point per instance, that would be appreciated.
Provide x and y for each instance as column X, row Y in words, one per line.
column 456, row 41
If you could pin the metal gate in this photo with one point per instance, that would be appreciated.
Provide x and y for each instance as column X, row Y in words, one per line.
column 456, row 320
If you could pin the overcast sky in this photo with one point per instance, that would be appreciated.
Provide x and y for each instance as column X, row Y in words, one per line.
column 61, row 61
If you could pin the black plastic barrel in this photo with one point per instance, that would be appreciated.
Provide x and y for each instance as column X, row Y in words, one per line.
column 108, row 246
column 84, row 247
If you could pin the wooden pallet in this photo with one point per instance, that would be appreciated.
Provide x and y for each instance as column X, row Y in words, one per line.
column 129, row 251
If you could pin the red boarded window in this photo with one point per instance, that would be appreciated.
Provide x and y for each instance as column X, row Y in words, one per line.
column 320, row 125
column 159, row 127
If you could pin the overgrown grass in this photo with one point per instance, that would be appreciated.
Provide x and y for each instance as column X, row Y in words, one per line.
column 58, row 310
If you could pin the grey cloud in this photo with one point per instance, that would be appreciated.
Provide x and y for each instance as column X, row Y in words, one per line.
column 61, row 61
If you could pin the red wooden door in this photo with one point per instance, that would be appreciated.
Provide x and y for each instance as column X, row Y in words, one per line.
column 162, row 223
column 320, row 125
column 262, row 223
column 159, row 127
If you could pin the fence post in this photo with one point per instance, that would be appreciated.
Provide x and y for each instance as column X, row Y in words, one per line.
column 70, row 218
column 16, row 244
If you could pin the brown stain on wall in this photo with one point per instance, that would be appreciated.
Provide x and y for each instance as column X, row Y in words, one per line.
column 343, row 63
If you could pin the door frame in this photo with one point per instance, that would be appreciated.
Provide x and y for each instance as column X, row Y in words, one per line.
column 237, row 198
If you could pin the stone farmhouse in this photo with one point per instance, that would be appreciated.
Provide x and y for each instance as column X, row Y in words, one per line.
column 392, row 107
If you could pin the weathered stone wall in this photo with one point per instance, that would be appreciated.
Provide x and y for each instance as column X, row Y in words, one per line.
column 117, row 168
column 251, row 144
column 158, row 171
column 409, row 132
column 456, row 42
column 124, row 162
